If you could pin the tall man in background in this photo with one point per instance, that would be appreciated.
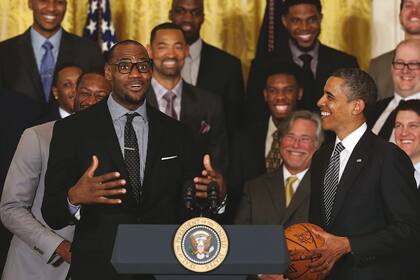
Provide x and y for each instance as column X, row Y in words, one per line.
column 208, row 67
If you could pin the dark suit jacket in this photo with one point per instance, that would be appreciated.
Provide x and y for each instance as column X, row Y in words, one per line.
column 329, row 60
column 375, row 207
column 247, row 161
column 221, row 73
column 17, row 112
column 19, row 71
column 373, row 114
column 263, row 201
column 91, row 132
column 198, row 109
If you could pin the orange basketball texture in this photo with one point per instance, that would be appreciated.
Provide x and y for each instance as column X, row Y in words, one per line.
column 300, row 239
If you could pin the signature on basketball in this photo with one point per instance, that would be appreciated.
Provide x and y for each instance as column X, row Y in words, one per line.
column 304, row 237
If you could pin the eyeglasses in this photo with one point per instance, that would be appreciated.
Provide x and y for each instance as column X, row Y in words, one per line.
column 304, row 139
column 126, row 66
column 397, row 65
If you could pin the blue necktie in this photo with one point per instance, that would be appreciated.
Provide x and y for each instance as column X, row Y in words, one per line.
column 47, row 69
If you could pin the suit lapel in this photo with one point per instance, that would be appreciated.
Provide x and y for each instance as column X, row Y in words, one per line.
column 355, row 163
column 300, row 195
column 188, row 105
column 27, row 54
column 204, row 70
column 151, row 98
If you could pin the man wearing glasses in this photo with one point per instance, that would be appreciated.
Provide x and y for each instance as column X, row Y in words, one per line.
column 119, row 162
column 405, row 71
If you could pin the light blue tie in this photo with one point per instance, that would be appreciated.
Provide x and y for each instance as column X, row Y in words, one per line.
column 47, row 69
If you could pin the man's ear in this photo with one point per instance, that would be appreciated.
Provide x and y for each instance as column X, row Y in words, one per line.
column 149, row 51
column 108, row 75
column 300, row 94
column 54, row 92
column 359, row 107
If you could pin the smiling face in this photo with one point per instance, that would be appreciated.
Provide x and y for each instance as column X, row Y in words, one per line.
column 303, row 22
column 64, row 89
column 407, row 134
column 129, row 90
column 47, row 15
column 189, row 15
column 298, row 145
column 168, row 51
column 338, row 113
column 406, row 81
column 92, row 88
column 281, row 94
column 410, row 17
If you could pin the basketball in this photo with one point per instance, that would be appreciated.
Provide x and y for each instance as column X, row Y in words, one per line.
column 300, row 239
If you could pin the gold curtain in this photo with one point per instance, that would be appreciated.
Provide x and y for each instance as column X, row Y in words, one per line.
column 232, row 25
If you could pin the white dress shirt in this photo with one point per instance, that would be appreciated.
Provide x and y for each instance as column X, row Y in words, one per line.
column 269, row 138
column 349, row 143
column 191, row 66
column 417, row 173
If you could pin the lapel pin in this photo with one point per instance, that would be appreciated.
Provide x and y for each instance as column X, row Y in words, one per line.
column 358, row 160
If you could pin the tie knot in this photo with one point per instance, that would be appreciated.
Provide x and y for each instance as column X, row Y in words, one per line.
column 169, row 96
column 47, row 45
column 131, row 116
column 306, row 58
column 291, row 179
column 338, row 148
column 275, row 135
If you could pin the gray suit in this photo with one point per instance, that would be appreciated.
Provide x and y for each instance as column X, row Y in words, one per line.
column 380, row 71
column 263, row 201
column 33, row 242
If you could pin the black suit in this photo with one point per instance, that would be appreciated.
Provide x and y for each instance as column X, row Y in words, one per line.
column 221, row 73
column 17, row 112
column 19, row 70
column 375, row 111
column 91, row 132
column 247, row 161
column 329, row 60
column 200, row 107
column 375, row 207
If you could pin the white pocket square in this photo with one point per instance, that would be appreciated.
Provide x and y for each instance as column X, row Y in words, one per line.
column 166, row 158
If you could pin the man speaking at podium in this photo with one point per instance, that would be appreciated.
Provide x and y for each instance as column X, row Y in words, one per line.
column 119, row 162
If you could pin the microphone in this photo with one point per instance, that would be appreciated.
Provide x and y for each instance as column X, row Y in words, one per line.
column 189, row 193
column 213, row 194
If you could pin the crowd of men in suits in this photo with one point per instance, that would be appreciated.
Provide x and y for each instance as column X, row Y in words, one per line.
column 117, row 139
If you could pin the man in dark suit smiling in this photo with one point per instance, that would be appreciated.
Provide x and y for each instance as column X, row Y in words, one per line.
column 363, row 191
column 107, row 163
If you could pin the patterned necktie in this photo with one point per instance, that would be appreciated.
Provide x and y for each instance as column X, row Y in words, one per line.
column 132, row 156
column 273, row 161
column 170, row 109
column 289, row 189
column 331, row 181
column 47, row 69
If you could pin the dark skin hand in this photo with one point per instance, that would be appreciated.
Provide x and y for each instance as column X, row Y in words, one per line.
column 63, row 250
column 209, row 175
column 91, row 189
column 334, row 248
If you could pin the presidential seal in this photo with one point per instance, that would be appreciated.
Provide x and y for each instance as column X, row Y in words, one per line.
column 200, row 244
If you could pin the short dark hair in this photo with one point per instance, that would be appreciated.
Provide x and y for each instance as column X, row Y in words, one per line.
column 409, row 105
column 358, row 84
column 124, row 42
column 162, row 26
column 79, row 80
column 401, row 5
column 61, row 67
column 289, row 3
column 284, row 67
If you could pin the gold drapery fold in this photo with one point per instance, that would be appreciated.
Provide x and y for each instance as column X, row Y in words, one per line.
column 232, row 25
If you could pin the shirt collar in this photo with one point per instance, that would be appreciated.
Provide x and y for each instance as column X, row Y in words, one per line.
column 38, row 40
column 117, row 111
column 296, row 52
column 287, row 174
column 353, row 138
column 160, row 90
column 398, row 98
column 63, row 113
column 195, row 49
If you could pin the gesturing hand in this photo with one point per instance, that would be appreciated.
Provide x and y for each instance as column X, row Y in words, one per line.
column 209, row 174
column 63, row 250
column 92, row 189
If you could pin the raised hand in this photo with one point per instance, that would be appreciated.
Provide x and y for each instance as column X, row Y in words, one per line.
column 92, row 189
column 209, row 174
